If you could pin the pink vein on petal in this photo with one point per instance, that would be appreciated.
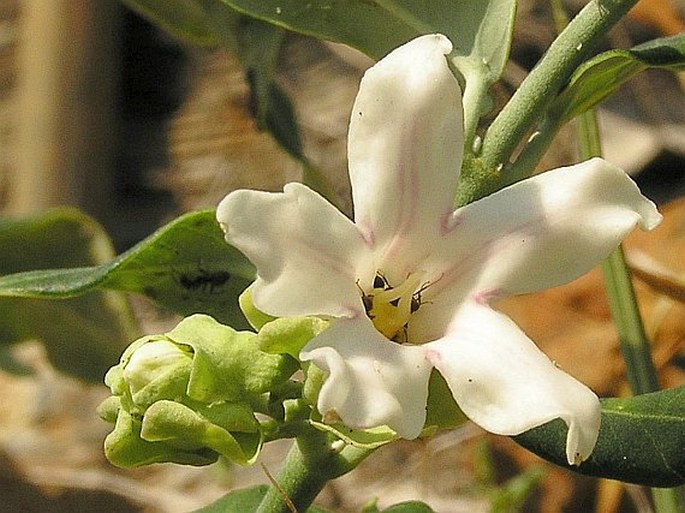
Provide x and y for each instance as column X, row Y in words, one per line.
column 367, row 233
column 484, row 297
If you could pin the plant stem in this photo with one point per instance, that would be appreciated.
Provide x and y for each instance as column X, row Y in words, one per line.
column 309, row 465
column 636, row 350
column 635, row 347
column 669, row 500
column 546, row 79
column 642, row 375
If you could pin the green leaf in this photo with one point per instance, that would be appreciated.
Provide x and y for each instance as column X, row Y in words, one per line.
column 641, row 440
column 185, row 266
column 244, row 501
column 602, row 75
column 480, row 30
column 184, row 19
column 365, row 25
column 476, row 27
column 82, row 336
column 664, row 52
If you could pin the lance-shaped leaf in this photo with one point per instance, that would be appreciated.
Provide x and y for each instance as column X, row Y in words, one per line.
column 641, row 440
column 479, row 29
column 602, row 75
column 185, row 266
column 375, row 27
column 82, row 336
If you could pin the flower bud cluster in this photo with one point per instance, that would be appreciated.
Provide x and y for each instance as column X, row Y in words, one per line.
column 188, row 396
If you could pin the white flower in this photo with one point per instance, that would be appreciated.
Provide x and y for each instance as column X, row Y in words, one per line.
column 409, row 282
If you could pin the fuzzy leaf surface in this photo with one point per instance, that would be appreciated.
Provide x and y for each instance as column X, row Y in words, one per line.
column 641, row 440
column 186, row 267
column 602, row 75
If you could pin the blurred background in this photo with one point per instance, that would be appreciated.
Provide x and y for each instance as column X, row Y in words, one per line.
column 101, row 110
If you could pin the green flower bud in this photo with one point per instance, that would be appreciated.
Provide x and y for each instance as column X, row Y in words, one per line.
column 155, row 361
column 186, row 396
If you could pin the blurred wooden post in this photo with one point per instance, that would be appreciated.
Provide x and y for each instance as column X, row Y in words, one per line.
column 66, row 83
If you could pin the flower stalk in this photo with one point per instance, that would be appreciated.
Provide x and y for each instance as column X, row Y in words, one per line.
column 642, row 375
column 310, row 464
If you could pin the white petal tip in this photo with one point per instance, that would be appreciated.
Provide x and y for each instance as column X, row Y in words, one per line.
column 440, row 41
column 651, row 218
column 582, row 434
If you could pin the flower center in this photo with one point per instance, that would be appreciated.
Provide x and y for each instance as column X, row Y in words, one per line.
column 390, row 308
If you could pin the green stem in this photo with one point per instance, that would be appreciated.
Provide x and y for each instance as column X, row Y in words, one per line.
column 531, row 154
column 669, row 500
column 636, row 350
column 635, row 347
column 309, row 465
column 542, row 138
column 540, row 87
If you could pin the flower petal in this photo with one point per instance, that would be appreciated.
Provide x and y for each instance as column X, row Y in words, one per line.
column 541, row 232
column 370, row 381
column 305, row 251
column 505, row 384
column 405, row 149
